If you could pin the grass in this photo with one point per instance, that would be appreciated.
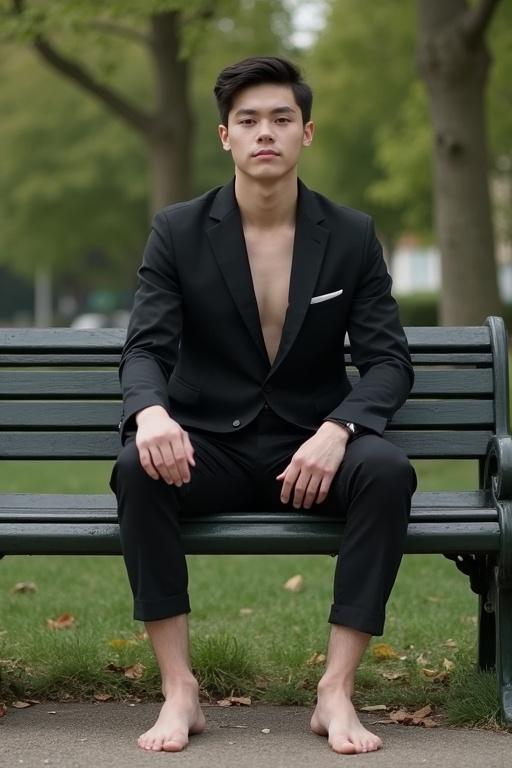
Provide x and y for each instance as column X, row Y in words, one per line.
column 262, row 650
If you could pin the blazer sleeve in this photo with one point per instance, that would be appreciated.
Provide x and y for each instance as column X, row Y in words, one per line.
column 378, row 346
column 152, row 340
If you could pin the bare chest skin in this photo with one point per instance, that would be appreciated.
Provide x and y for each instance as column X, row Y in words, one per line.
column 270, row 260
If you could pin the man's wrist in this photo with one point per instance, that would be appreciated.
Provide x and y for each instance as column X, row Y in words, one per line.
column 148, row 411
column 342, row 429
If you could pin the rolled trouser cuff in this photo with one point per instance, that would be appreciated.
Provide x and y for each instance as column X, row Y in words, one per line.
column 154, row 610
column 358, row 618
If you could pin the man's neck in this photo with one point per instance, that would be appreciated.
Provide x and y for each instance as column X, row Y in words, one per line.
column 264, row 205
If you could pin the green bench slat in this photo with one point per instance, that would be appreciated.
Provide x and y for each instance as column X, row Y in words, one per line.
column 92, row 359
column 106, row 445
column 473, row 506
column 79, row 414
column 50, row 340
column 242, row 538
column 100, row 384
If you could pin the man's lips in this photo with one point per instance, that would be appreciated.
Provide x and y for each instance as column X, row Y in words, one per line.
column 266, row 152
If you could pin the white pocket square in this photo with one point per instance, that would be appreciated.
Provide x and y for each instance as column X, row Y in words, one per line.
column 326, row 296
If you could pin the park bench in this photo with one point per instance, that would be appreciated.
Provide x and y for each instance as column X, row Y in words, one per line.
column 60, row 399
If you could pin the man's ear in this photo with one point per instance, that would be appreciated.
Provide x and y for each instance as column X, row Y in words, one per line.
column 224, row 137
column 309, row 130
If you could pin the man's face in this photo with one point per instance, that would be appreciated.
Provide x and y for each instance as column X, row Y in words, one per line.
column 265, row 133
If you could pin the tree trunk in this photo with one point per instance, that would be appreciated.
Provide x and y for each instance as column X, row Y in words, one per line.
column 43, row 311
column 170, row 138
column 454, row 66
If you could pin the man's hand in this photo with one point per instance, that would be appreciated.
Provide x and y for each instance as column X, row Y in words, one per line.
column 164, row 447
column 313, row 466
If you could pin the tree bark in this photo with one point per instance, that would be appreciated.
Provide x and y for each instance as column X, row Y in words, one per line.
column 170, row 139
column 454, row 62
column 168, row 131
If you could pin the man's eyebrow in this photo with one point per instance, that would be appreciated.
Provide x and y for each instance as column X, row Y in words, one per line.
column 275, row 111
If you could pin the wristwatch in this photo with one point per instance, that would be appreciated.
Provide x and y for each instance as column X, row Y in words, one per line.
column 351, row 428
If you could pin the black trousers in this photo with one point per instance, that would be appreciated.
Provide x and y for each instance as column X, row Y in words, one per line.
column 371, row 491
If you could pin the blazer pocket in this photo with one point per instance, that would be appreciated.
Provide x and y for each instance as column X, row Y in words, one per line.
column 326, row 297
column 183, row 391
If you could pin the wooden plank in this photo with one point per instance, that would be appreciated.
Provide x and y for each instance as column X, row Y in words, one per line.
column 60, row 415
column 278, row 538
column 105, row 503
column 420, row 338
column 50, row 340
column 45, row 360
column 60, row 384
column 475, row 506
column 105, row 445
column 100, row 384
column 50, row 414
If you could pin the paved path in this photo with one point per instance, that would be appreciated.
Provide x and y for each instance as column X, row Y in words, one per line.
column 104, row 734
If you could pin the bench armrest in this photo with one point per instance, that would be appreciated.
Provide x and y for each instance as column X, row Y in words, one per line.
column 498, row 467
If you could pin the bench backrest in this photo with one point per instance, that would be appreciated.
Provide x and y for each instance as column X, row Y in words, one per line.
column 60, row 395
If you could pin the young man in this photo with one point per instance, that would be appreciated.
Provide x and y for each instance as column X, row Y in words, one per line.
column 236, row 395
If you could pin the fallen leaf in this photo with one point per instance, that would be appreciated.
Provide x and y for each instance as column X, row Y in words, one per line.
column 448, row 665
column 394, row 675
column 102, row 696
column 373, row 708
column 295, row 583
column 265, row 730
column 316, row 658
column 135, row 671
column 261, row 682
column 421, row 660
column 383, row 651
column 429, row 672
column 246, row 611
column 114, row 667
column 3, row 709
column 423, row 712
column 33, row 701
column 434, row 599
column 64, row 621
column 239, row 700
column 400, row 716
column 120, row 642
column 142, row 635
column 24, row 586
column 441, row 677
column 21, row 704
column 451, row 643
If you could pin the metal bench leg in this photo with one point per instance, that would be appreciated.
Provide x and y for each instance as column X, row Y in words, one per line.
column 486, row 633
column 504, row 643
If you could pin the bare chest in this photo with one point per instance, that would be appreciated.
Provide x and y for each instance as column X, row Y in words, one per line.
column 270, row 261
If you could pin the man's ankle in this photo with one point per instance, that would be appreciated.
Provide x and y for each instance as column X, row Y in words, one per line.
column 335, row 683
column 182, row 682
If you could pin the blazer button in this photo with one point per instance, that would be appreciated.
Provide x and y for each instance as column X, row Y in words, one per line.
column 236, row 423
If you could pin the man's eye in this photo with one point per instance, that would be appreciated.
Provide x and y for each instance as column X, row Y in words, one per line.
column 283, row 119
column 247, row 121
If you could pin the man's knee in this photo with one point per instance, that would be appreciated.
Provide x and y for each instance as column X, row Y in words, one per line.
column 385, row 463
column 127, row 468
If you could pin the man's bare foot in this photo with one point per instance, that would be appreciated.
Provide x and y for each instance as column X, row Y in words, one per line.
column 336, row 718
column 180, row 716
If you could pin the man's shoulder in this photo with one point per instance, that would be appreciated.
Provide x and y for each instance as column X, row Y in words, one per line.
column 340, row 213
column 189, row 208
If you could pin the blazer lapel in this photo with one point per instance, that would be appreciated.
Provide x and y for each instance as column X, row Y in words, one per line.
column 228, row 245
column 308, row 252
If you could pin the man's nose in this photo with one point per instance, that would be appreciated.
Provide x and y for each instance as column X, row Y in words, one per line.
column 265, row 132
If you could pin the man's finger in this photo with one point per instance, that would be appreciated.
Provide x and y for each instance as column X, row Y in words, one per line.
column 300, row 489
column 168, row 459
column 289, row 481
column 189, row 449
column 324, row 489
column 166, row 469
column 147, row 464
column 311, row 491
column 180, row 458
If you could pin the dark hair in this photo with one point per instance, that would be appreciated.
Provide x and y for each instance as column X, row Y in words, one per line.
column 258, row 70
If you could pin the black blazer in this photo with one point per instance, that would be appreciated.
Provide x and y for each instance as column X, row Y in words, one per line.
column 195, row 346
